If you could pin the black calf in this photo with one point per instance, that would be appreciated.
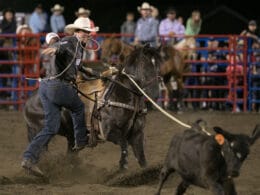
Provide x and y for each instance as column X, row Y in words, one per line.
column 207, row 161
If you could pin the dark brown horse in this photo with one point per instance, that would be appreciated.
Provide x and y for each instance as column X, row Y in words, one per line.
column 120, row 111
column 114, row 51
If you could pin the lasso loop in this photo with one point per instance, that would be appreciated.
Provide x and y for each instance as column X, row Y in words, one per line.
column 90, row 41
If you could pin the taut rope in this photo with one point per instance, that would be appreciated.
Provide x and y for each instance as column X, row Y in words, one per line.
column 158, row 107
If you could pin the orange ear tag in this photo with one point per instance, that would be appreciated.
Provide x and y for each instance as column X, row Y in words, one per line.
column 220, row 139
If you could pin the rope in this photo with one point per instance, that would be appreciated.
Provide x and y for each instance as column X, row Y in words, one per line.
column 159, row 108
column 156, row 105
column 94, row 41
column 61, row 73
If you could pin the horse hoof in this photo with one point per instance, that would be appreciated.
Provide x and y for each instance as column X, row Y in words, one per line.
column 123, row 167
column 143, row 165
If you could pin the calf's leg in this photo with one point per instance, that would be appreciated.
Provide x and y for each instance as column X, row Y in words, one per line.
column 165, row 172
column 182, row 187
column 216, row 189
column 229, row 187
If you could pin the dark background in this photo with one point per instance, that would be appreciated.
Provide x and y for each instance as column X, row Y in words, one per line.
column 219, row 16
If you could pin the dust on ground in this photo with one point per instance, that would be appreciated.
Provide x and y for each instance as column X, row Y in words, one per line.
column 95, row 171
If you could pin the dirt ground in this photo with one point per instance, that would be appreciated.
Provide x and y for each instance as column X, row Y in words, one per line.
column 95, row 171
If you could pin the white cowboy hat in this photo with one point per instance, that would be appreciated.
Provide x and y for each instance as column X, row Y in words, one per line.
column 81, row 24
column 145, row 6
column 57, row 7
column 49, row 36
column 82, row 10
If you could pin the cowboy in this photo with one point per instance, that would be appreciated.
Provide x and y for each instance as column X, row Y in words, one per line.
column 57, row 92
column 85, row 13
column 170, row 26
column 146, row 27
column 57, row 19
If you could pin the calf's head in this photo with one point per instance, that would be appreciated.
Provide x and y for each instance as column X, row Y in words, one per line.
column 235, row 148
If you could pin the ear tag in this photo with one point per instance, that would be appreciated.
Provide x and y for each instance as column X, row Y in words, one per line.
column 220, row 139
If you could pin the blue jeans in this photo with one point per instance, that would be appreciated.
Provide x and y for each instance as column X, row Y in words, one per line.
column 54, row 95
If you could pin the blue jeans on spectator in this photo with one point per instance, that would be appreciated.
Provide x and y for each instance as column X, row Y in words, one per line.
column 54, row 95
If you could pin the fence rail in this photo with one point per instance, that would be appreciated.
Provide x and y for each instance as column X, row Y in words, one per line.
column 24, row 61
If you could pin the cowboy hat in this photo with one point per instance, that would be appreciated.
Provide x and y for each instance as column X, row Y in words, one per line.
column 82, row 10
column 57, row 7
column 81, row 24
column 21, row 27
column 145, row 6
column 49, row 36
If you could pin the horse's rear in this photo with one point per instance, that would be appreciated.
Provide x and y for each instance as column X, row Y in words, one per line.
column 34, row 117
column 173, row 66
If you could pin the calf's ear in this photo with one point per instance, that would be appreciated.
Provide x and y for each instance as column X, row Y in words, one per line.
column 226, row 134
column 255, row 135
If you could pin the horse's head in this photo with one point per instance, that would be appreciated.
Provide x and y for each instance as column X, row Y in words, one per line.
column 114, row 51
column 143, row 64
column 110, row 47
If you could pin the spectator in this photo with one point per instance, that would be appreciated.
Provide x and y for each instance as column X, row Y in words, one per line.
column 181, row 20
column 128, row 27
column 170, row 27
column 147, row 27
column 256, row 83
column 155, row 13
column 8, row 24
column 57, row 19
column 38, row 20
column 85, row 13
column 234, row 76
column 193, row 27
column 251, row 32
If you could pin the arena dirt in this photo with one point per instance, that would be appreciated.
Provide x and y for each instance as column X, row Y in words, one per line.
column 95, row 171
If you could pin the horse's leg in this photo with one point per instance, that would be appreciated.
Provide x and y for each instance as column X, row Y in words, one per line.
column 180, row 94
column 172, row 105
column 123, row 163
column 70, row 142
column 137, row 141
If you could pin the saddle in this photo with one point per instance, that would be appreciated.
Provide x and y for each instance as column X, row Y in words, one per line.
column 93, row 91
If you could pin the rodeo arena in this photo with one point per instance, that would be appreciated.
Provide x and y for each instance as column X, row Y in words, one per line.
column 157, row 108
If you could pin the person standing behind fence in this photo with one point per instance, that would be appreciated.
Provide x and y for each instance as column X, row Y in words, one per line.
column 128, row 27
column 8, row 24
column 252, row 34
column 57, row 20
column 38, row 20
column 169, row 27
column 193, row 27
column 146, row 27
column 234, row 72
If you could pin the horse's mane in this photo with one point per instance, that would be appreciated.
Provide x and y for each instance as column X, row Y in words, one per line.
column 139, row 52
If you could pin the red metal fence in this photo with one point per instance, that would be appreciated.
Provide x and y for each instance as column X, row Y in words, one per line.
column 25, row 62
